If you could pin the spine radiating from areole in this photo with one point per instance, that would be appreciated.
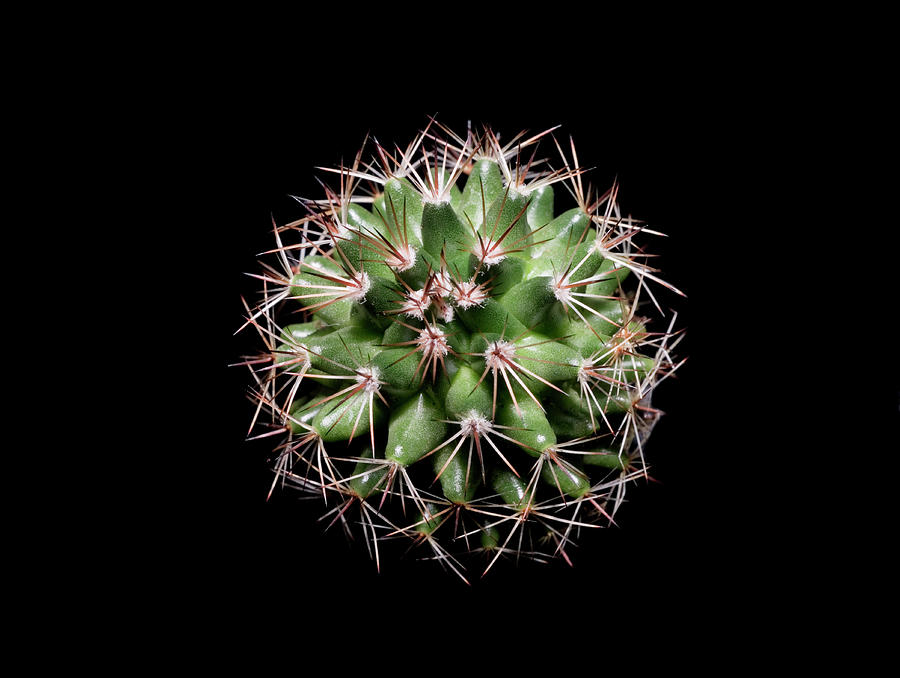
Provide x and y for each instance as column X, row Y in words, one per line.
column 452, row 352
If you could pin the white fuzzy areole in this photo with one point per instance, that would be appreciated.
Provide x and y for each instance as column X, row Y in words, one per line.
column 301, row 350
column 406, row 259
column 416, row 303
column 446, row 313
column 468, row 294
column 442, row 284
column 489, row 252
column 432, row 341
column 363, row 284
column 497, row 351
column 474, row 423
column 369, row 377
column 557, row 285
column 584, row 374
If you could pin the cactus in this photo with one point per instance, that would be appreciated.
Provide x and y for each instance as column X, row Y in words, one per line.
column 449, row 360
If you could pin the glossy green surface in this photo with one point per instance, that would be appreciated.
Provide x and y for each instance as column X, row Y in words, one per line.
column 403, row 209
column 443, row 231
column 506, row 223
column 483, row 186
column 342, row 417
column 563, row 475
column 529, row 425
column 342, row 351
column 540, row 211
column 415, row 429
column 467, row 394
column 368, row 478
column 510, row 487
column 460, row 476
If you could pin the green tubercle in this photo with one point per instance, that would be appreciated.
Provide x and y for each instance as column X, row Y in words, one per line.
column 466, row 394
column 403, row 209
column 415, row 428
column 460, row 475
column 344, row 418
column 561, row 474
column 528, row 425
column 483, row 186
column 369, row 477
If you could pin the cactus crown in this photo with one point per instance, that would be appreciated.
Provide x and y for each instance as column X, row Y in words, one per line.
column 469, row 369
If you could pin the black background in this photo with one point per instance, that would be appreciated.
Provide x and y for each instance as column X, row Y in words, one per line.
column 711, row 134
column 679, row 155
column 718, row 137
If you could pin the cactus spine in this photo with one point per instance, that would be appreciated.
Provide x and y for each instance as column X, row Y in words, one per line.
column 447, row 354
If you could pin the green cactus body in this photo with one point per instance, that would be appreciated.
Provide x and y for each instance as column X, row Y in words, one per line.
column 463, row 349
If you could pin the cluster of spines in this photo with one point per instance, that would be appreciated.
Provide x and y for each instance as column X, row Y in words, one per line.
column 496, row 340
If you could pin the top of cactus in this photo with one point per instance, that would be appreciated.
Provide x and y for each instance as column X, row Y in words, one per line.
column 538, row 416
